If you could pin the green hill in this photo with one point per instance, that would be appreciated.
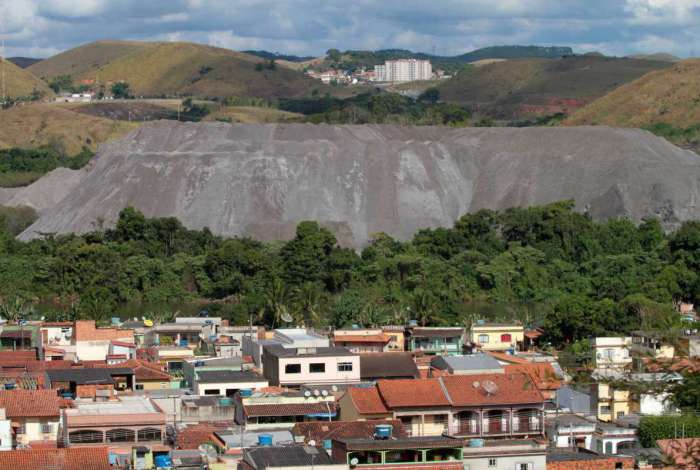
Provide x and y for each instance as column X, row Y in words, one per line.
column 176, row 68
column 519, row 88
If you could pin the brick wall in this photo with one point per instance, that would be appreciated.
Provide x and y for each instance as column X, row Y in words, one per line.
column 85, row 330
column 597, row 464
column 89, row 391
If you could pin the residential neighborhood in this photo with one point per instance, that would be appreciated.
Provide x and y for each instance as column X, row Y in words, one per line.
column 142, row 394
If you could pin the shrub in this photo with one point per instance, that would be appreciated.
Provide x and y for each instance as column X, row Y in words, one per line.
column 653, row 428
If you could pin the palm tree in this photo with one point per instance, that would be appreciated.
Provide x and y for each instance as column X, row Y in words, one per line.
column 307, row 298
column 372, row 315
column 423, row 306
column 14, row 309
column 276, row 299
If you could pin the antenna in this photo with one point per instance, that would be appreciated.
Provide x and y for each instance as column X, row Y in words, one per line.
column 287, row 318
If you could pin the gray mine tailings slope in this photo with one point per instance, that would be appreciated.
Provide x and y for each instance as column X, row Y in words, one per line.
column 261, row 180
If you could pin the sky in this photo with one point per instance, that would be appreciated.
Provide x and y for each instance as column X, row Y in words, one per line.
column 41, row 28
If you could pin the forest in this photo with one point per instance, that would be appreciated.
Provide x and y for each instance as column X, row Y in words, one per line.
column 545, row 266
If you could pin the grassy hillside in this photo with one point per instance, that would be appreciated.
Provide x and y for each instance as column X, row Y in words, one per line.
column 20, row 82
column 172, row 68
column 252, row 114
column 669, row 96
column 58, row 127
column 522, row 87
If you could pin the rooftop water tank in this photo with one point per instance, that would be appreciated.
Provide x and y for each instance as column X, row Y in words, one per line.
column 265, row 440
column 163, row 461
column 383, row 431
column 476, row 443
column 246, row 392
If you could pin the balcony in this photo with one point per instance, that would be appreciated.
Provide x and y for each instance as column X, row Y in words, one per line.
column 496, row 423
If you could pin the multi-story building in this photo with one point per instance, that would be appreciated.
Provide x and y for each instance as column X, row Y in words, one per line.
column 649, row 345
column 497, row 336
column 403, row 70
column 439, row 340
column 293, row 367
column 480, row 405
column 612, row 352
column 92, row 343
column 292, row 338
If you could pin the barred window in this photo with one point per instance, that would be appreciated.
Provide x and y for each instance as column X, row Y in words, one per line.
column 120, row 435
column 86, row 436
column 149, row 434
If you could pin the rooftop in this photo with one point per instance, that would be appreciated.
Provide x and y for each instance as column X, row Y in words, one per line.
column 279, row 351
column 428, row 332
column 235, row 439
column 565, row 420
column 30, row 403
column 88, row 376
column 74, row 458
column 287, row 456
column 469, row 362
column 290, row 409
column 389, row 364
column 228, row 376
column 422, row 442
column 367, row 400
column 320, row 431
column 125, row 405
column 412, row 393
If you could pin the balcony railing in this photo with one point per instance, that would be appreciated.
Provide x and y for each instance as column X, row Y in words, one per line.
column 524, row 422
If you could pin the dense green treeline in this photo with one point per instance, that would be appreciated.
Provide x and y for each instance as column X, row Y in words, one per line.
column 20, row 167
column 549, row 266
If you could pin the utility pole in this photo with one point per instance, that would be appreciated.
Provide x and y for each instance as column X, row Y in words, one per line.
column 2, row 64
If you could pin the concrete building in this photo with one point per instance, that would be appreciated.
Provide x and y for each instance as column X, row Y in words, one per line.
column 571, row 431
column 438, row 340
column 310, row 366
column 291, row 338
column 497, row 336
column 403, row 70
column 288, row 458
column 5, row 431
column 364, row 340
column 396, row 453
column 226, row 382
column 648, row 345
column 612, row 352
column 282, row 409
column 127, row 421
column 93, row 344
column 467, row 364
column 506, row 454
column 171, row 358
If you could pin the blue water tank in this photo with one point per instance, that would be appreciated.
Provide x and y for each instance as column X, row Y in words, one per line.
column 327, row 444
column 265, row 440
column 183, row 343
column 163, row 461
column 246, row 392
column 9, row 386
column 383, row 431
column 476, row 443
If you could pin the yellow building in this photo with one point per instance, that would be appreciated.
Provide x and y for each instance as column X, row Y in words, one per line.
column 649, row 346
column 497, row 336
column 611, row 403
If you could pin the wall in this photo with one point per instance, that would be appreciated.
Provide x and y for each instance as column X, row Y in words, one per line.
column 597, row 464
column 330, row 376
column 536, row 462
column 154, row 385
column 200, row 389
column 494, row 333
column 5, row 433
column 32, row 430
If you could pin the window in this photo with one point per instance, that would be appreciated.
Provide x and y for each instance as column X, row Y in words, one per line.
column 620, row 414
column 22, row 429
column 345, row 367
column 506, row 338
column 393, row 338
column 139, row 386
column 120, row 435
column 149, row 434
column 46, row 428
column 605, row 409
column 483, row 339
column 292, row 369
column 440, row 419
column 492, row 463
column 608, row 447
column 86, row 436
column 317, row 368
column 524, row 466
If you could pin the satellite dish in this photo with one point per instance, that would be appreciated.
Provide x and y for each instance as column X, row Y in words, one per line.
column 475, row 384
column 307, row 394
column 287, row 318
column 316, row 393
column 490, row 387
column 334, row 388
column 324, row 393
column 354, row 461
column 209, row 452
column 312, row 442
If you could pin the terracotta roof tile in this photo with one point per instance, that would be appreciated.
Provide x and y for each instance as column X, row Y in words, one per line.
column 320, row 431
column 197, row 434
column 412, row 393
column 367, row 400
column 503, row 389
column 378, row 338
column 509, row 358
column 684, row 453
column 30, row 403
column 75, row 458
column 541, row 373
column 288, row 409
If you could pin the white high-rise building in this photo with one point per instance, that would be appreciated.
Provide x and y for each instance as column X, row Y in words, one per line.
column 403, row 70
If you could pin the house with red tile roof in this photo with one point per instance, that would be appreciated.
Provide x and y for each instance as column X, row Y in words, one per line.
column 34, row 415
column 87, row 458
column 321, row 432
column 542, row 374
column 683, row 453
column 478, row 405
column 362, row 340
